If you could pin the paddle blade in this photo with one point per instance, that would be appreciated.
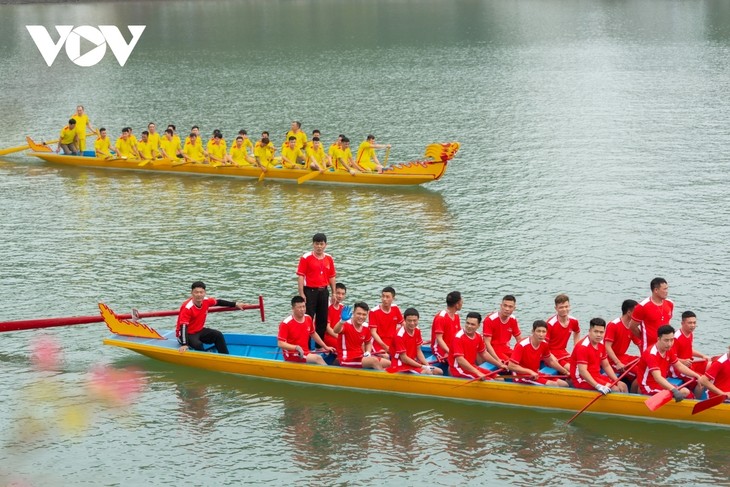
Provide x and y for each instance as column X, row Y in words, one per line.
column 658, row 400
column 262, row 176
column 12, row 150
column 307, row 177
column 708, row 403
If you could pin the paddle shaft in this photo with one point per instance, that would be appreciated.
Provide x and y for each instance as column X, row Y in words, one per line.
column 83, row 320
column 600, row 395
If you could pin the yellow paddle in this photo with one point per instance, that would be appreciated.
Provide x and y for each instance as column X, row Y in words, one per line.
column 11, row 150
column 387, row 153
column 307, row 177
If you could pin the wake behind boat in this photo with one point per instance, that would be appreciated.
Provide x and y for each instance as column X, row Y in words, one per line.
column 259, row 356
column 431, row 168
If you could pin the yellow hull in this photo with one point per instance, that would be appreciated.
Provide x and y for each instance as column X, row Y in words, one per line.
column 498, row 392
column 409, row 173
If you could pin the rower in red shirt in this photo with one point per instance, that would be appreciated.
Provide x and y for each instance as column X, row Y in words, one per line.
column 651, row 313
column 354, row 342
column 499, row 328
column 684, row 346
column 653, row 368
column 560, row 327
column 717, row 377
column 384, row 320
column 333, row 313
column 445, row 325
column 468, row 351
column 190, row 330
column 315, row 272
column 406, row 348
column 589, row 358
column 295, row 332
column 529, row 352
column 618, row 338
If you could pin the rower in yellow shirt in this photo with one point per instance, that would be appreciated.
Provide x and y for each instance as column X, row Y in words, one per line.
column 175, row 137
column 344, row 157
column 297, row 132
column 239, row 153
column 332, row 151
column 291, row 154
column 199, row 140
column 317, row 160
column 144, row 147
column 169, row 147
column 367, row 160
column 216, row 149
column 82, row 121
column 124, row 145
column 102, row 145
column 154, row 137
column 264, row 153
column 69, row 139
column 193, row 151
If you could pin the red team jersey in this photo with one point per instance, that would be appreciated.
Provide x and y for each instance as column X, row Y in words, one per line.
column 587, row 354
column 403, row 342
column 651, row 360
column 621, row 338
column 558, row 336
column 385, row 324
column 443, row 323
column 296, row 333
column 528, row 356
column 651, row 316
column 333, row 317
column 351, row 342
column 316, row 272
column 192, row 316
column 719, row 374
column 501, row 333
column 683, row 345
column 469, row 348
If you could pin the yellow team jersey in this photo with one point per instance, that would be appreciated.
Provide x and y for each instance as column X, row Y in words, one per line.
column 332, row 152
column 171, row 147
column 240, row 154
column 67, row 135
column 317, row 156
column 176, row 139
column 366, row 156
column 217, row 150
column 293, row 155
column 102, row 147
column 194, row 152
column 342, row 154
column 154, row 140
column 124, row 147
column 198, row 141
column 145, row 149
column 301, row 138
column 265, row 154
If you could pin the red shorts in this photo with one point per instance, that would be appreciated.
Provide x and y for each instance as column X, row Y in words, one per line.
column 403, row 369
column 539, row 381
column 296, row 359
column 455, row 373
column 603, row 380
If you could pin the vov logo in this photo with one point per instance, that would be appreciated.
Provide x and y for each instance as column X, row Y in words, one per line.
column 71, row 37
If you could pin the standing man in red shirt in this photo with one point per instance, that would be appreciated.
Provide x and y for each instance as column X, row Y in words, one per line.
column 316, row 271
column 384, row 320
column 499, row 328
column 589, row 357
column 295, row 332
column 445, row 325
column 191, row 331
column 651, row 313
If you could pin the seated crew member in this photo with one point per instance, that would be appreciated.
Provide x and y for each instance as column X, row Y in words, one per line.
column 367, row 160
column 618, row 338
column 343, row 157
column 529, row 352
column 82, row 120
column 102, row 145
column 354, row 341
column 653, row 368
column 132, row 138
column 468, row 351
column 315, row 133
column 153, row 137
column 291, row 154
column 69, row 139
column 384, row 321
column 317, row 160
column 169, row 147
column 216, row 149
column 684, row 346
column 717, row 377
column 445, row 325
column 241, row 151
column 406, row 348
column 125, row 146
column 589, row 357
column 191, row 331
column 499, row 328
column 295, row 332
column 198, row 139
column 176, row 138
column 264, row 153
column 333, row 313
column 144, row 147
column 333, row 149
column 560, row 325
column 297, row 132
column 193, row 151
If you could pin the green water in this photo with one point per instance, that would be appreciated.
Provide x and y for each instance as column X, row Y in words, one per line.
column 594, row 157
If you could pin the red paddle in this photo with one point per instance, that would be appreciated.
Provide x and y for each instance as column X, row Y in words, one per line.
column 709, row 403
column 600, row 395
column 661, row 398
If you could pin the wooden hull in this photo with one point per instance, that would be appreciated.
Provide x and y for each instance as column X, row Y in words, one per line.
column 256, row 356
column 408, row 173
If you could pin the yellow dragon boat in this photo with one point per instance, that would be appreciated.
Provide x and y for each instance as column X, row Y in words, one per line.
column 431, row 168
column 258, row 356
